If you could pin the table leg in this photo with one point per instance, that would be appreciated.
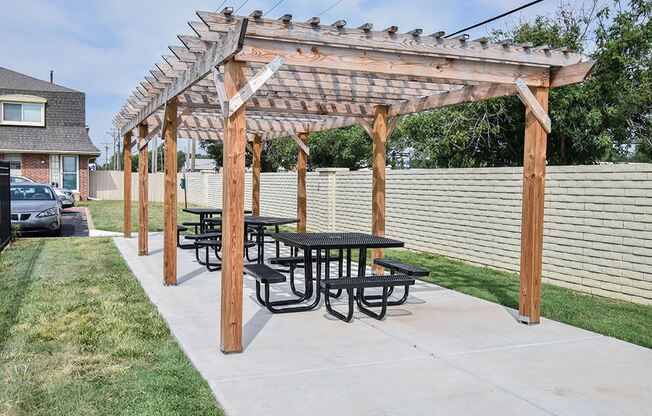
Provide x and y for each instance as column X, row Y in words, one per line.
column 278, row 243
column 261, row 244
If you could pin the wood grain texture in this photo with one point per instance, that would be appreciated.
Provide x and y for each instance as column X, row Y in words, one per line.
column 377, row 61
column 233, row 186
column 301, row 185
column 143, row 194
column 255, row 180
column 571, row 74
column 531, row 102
column 126, row 149
column 379, row 136
column 534, row 179
column 170, row 203
column 404, row 43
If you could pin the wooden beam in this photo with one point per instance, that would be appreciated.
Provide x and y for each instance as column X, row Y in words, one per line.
column 303, row 147
column 233, row 213
column 534, row 180
column 218, row 53
column 301, row 183
column 143, row 194
column 392, row 124
column 170, row 192
column 449, row 98
column 255, row 180
column 388, row 41
column 126, row 149
column 379, row 136
column 254, row 84
column 571, row 74
column 531, row 102
column 378, row 61
column 366, row 126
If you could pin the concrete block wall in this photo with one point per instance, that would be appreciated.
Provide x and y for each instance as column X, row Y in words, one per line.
column 597, row 230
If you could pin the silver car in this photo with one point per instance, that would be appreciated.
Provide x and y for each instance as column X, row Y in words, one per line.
column 65, row 196
column 35, row 207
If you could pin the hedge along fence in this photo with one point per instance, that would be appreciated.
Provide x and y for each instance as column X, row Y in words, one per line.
column 598, row 219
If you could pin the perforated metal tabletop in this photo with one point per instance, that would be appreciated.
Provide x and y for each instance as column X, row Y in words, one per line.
column 312, row 241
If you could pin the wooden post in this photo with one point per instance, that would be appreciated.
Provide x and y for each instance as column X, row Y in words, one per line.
column 378, row 180
column 126, row 148
column 301, row 186
column 233, row 212
column 170, row 192
column 255, row 180
column 143, row 195
column 534, row 182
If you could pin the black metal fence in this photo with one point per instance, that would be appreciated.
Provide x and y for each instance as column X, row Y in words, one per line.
column 5, row 205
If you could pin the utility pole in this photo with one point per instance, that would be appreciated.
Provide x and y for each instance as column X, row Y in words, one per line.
column 106, row 155
column 154, row 155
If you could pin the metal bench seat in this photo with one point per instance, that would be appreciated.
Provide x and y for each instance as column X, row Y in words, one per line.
column 264, row 274
column 401, row 267
column 386, row 282
column 205, row 236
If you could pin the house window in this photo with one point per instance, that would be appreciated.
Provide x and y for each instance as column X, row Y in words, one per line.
column 22, row 110
column 15, row 161
column 64, row 172
column 55, row 172
column 69, row 172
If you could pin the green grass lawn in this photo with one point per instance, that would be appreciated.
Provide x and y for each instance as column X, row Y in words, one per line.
column 108, row 215
column 78, row 335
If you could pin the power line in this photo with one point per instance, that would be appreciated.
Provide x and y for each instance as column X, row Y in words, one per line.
column 273, row 7
column 335, row 4
column 236, row 10
column 495, row 18
column 218, row 7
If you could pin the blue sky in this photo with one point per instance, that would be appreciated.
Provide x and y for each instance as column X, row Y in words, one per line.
column 105, row 47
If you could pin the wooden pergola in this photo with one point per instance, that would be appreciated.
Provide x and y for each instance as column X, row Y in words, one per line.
column 246, row 80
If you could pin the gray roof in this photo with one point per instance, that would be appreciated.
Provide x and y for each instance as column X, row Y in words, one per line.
column 58, row 139
column 64, row 131
column 15, row 80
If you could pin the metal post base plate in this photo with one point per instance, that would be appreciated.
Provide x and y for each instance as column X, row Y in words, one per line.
column 526, row 320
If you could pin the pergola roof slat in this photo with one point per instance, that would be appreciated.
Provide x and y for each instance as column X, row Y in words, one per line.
column 333, row 74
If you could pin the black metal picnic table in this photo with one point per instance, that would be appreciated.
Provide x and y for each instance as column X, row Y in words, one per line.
column 309, row 242
column 205, row 213
column 260, row 223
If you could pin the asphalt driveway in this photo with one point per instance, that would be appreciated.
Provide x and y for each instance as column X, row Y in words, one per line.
column 73, row 223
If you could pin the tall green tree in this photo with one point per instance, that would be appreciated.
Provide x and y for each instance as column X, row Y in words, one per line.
column 601, row 119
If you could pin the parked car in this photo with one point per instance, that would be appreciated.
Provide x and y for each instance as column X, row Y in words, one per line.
column 65, row 196
column 35, row 207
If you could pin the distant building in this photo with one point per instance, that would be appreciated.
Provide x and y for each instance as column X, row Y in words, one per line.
column 43, row 133
column 205, row 165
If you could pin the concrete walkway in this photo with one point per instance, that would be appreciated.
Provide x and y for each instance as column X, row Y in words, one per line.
column 441, row 353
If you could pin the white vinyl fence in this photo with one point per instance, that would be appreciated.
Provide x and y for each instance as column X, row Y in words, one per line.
column 598, row 219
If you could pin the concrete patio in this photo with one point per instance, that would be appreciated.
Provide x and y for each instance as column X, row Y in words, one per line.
column 441, row 353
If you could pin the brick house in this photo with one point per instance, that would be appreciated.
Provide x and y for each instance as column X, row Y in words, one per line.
column 43, row 133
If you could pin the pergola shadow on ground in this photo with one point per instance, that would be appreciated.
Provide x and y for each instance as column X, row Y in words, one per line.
column 246, row 80
column 442, row 352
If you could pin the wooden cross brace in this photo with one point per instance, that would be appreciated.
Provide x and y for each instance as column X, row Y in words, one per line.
column 367, row 127
column 240, row 98
column 300, row 143
column 531, row 102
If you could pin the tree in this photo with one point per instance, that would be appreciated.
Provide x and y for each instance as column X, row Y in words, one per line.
column 181, row 159
column 600, row 119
